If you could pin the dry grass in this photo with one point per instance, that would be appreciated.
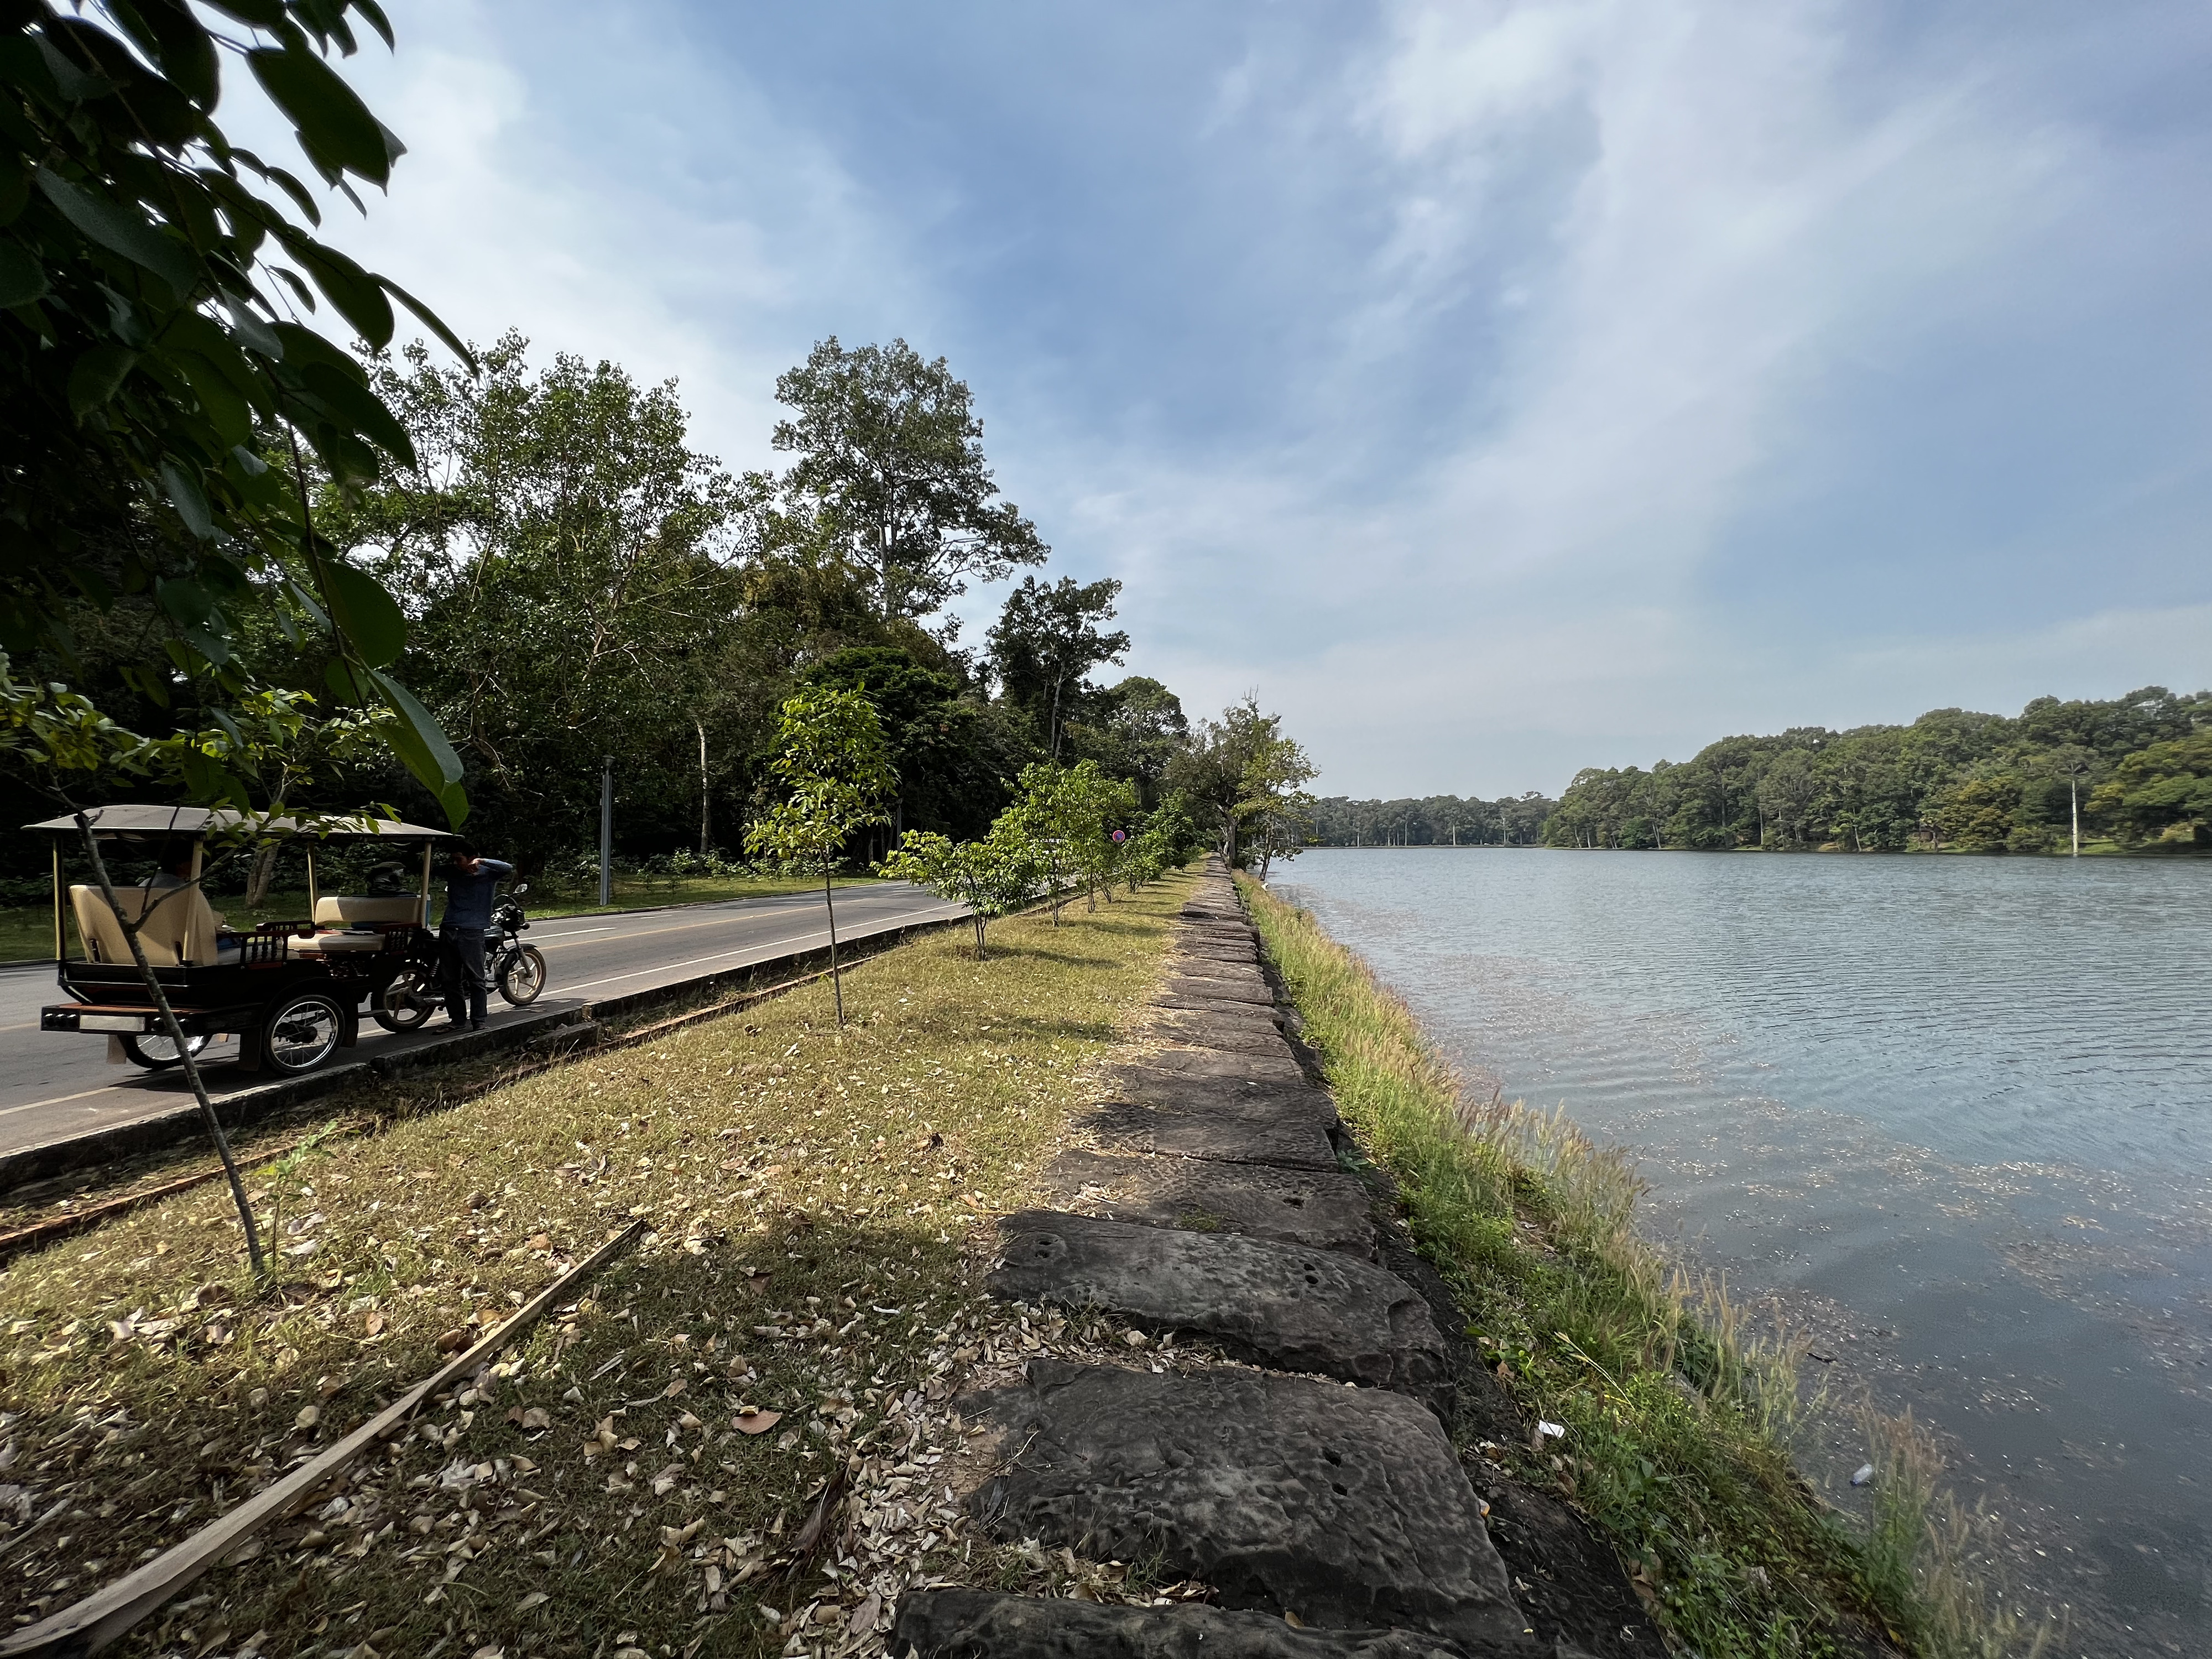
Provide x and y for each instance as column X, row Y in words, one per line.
column 1678, row 1412
column 816, row 1205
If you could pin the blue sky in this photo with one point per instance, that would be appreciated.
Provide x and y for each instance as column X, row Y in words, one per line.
column 1496, row 388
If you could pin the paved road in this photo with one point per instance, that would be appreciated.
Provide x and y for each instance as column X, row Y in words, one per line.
column 53, row 1086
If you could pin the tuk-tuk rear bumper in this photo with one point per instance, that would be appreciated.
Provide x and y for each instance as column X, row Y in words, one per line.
column 125, row 1020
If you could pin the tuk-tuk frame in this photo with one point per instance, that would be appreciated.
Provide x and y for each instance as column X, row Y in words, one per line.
column 292, row 1007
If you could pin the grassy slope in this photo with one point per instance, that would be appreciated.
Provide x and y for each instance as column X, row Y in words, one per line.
column 28, row 932
column 829, row 1192
column 1674, row 1426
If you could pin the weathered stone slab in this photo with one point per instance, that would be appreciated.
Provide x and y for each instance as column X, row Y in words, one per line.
column 1318, row 1209
column 1224, row 1063
column 1290, row 1308
column 1218, row 987
column 1200, row 1001
column 1346, row 1506
column 1295, row 1140
column 1242, row 1029
column 1152, row 1086
column 1245, row 954
column 960, row 1624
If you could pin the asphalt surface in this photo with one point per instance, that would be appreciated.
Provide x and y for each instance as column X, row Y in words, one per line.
column 54, row 1085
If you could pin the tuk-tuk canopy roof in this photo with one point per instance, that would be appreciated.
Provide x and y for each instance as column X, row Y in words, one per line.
column 202, row 820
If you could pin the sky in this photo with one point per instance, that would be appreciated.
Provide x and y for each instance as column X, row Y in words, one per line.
column 1496, row 389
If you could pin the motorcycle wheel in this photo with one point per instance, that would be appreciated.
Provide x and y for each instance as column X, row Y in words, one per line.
column 158, row 1054
column 410, row 999
column 522, row 977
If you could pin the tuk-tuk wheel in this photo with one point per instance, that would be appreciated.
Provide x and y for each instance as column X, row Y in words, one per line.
column 158, row 1054
column 303, row 1032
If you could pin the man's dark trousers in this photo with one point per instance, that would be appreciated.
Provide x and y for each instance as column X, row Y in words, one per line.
column 461, row 967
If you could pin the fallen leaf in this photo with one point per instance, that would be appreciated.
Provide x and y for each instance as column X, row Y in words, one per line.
column 308, row 1417
column 535, row 1598
column 541, row 1241
column 536, row 1418
column 672, row 1389
column 375, row 1324
column 750, row 1421
column 456, row 1339
column 864, row 1616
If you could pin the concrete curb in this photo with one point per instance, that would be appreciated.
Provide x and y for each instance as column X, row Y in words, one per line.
column 249, row 1106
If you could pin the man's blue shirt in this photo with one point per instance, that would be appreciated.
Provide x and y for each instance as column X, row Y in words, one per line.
column 469, row 896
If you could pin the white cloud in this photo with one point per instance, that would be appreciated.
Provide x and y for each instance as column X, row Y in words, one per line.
column 651, row 210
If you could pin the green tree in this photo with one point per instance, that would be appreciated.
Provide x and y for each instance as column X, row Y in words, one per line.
column 1240, row 772
column 148, row 270
column 892, row 471
column 993, row 876
column 571, row 567
column 1048, row 640
column 2163, row 790
column 831, row 760
column 953, row 751
column 1064, row 813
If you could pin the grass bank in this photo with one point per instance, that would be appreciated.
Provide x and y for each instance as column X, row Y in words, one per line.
column 1677, row 1418
column 26, row 932
column 737, row 1440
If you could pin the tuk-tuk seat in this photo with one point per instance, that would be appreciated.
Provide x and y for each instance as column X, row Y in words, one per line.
column 346, row 910
column 347, row 921
column 182, row 932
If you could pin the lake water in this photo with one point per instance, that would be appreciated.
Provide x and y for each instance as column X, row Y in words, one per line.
column 1956, row 1113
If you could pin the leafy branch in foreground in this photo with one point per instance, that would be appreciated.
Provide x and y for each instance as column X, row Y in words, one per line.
column 151, row 277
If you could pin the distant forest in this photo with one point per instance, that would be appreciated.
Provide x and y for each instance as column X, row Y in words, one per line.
column 1437, row 821
column 2139, row 766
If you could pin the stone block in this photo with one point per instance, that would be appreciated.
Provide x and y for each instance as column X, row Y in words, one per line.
column 1346, row 1506
column 1278, row 1305
column 966, row 1624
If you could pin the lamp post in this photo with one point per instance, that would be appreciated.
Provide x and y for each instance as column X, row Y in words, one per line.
column 606, row 831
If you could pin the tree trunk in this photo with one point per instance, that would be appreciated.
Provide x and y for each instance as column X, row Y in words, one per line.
column 192, row 1069
column 262, row 874
column 706, row 802
column 836, row 985
column 2074, row 799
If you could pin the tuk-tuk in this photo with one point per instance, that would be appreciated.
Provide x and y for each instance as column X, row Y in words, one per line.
column 292, row 991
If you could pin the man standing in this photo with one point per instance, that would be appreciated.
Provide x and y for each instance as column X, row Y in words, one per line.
column 471, row 882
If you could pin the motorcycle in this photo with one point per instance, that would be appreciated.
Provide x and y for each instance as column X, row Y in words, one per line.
column 516, row 970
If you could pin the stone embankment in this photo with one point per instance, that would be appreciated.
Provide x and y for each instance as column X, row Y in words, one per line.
column 1318, row 1493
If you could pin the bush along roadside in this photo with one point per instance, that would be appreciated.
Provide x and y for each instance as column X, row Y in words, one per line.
column 1650, row 1406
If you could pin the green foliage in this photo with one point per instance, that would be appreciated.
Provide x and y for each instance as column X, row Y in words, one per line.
column 1249, row 780
column 891, row 474
column 1975, row 782
column 993, row 876
column 2163, row 792
column 1047, row 640
column 952, row 749
column 1434, row 821
column 1068, row 815
column 151, row 365
column 831, row 759
column 571, row 565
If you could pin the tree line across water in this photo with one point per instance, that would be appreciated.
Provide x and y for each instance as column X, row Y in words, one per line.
column 1432, row 821
column 2136, row 770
